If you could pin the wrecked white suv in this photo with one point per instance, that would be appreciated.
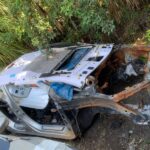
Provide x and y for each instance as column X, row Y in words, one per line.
column 57, row 94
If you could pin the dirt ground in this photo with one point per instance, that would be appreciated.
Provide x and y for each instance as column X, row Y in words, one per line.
column 103, row 136
column 115, row 133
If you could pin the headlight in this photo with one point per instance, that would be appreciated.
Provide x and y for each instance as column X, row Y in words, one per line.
column 19, row 91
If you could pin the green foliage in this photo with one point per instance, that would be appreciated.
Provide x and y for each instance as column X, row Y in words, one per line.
column 28, row 24
column 133, row 24
column 69, row 20
column 147, row 36
column 11, row 44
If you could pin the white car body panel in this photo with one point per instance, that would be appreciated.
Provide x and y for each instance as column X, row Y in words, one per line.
column 40, row 102
column 24, row 71
column 76, row 75
column 20, row 63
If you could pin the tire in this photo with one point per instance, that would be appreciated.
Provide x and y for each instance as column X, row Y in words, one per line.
column 85, row 118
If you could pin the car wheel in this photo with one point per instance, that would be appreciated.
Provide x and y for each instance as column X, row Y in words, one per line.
column 85, row 118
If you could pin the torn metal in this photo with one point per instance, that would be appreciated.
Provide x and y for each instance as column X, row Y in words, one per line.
column 51, row 95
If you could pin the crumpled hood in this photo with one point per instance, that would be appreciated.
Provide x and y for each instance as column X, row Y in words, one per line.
column 34, row 67
column 30, row 66
column 17, row 67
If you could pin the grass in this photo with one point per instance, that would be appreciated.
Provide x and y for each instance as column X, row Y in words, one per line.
column 8, row 53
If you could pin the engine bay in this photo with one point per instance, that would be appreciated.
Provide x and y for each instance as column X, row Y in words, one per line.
column 117, row 73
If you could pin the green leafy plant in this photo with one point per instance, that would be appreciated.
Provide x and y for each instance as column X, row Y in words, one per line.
column 147, row 36
column 70, row 20
column 30, row 24
column 11, row 44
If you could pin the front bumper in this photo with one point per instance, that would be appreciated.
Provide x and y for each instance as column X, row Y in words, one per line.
column 28, row 126
column 25, row 125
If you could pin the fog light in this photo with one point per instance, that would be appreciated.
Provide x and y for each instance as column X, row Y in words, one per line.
column 19, row 91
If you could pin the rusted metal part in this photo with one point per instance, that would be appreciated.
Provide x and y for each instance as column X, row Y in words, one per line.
column 130, row 91
column 122, row 107
column 136, row 50
column 111, row 102
column 133, row 47
column 99, row 102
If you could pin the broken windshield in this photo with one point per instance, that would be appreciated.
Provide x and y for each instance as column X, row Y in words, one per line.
column 76, row 57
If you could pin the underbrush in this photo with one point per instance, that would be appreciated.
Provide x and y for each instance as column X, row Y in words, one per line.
column 26, row 25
